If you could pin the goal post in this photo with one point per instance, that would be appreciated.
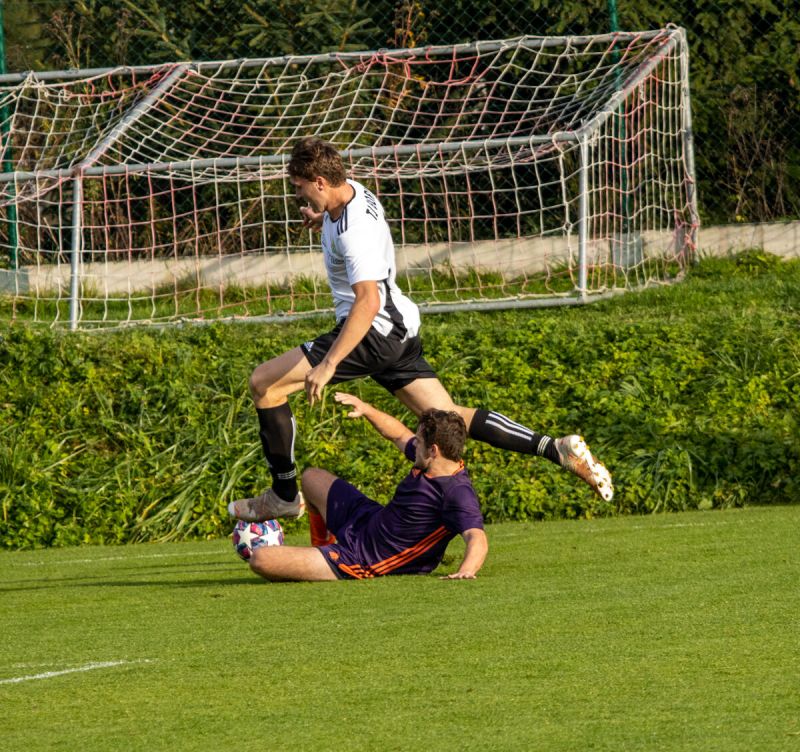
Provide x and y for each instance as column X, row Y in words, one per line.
column 523, row 172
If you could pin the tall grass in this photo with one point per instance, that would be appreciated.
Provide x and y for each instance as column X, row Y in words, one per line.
column 690, row 394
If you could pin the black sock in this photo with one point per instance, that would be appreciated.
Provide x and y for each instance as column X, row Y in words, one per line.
column 277, row 429
column 498, row 431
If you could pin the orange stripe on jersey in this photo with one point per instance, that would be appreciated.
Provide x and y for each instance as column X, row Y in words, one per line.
column 407, row 556
column 356, row 571
column 398, row 560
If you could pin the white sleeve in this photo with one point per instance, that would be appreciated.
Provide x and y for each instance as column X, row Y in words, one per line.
column 363, row 250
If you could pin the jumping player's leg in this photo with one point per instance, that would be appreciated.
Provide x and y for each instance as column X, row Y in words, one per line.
column 270, row 385
column 483, row 425
column 291, row 564
column 272, row 382
column 499, row 431
column 423, row 394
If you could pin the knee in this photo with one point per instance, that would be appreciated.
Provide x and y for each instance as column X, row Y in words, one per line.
column 260, row 562
column 308, row 475
column 316, row 483
column 466, row 413
column 260, row 382
column 269, row 562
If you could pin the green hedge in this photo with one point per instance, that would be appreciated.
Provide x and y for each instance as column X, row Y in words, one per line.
column 690, row 394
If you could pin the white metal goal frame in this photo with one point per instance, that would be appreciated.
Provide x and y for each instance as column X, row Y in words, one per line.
column 533, row 171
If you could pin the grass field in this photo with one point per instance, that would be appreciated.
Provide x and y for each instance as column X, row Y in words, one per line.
column 667, row 632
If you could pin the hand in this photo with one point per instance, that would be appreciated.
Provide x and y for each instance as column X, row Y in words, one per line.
column 459, row 576
column 359, row 406
column 316, row 379
column 311, row 219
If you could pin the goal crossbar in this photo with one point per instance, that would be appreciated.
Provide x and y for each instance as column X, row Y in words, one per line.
column 221, row 163
column 528, row 41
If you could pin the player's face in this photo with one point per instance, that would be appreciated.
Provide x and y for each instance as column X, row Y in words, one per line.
column 308, row 192
column 423, row 459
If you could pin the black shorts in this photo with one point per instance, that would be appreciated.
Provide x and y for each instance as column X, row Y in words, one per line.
column 387, row 359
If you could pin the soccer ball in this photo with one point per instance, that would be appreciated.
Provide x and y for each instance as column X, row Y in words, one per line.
column 248, row 536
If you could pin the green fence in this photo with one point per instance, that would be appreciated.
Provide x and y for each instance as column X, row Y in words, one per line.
column 745, row 58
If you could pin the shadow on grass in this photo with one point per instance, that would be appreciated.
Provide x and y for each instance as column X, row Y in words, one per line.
column 84, row 581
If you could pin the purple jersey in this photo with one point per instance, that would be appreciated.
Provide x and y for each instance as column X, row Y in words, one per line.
column 407, row 536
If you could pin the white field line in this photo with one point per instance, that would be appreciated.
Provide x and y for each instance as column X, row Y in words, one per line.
column 79, row 669
column 121, row 558
column 681, row 524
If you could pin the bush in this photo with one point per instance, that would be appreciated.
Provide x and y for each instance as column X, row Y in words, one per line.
column 690, row 394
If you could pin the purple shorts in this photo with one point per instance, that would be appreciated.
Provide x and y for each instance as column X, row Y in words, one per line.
column 348, row 511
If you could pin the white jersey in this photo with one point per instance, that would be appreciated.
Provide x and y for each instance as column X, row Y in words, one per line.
column 358, row 247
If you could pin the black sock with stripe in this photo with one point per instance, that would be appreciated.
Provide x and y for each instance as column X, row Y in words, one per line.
column 501, row 432
column 277, row 430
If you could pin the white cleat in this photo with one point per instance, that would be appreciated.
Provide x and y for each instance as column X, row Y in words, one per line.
column 576, row 457
column 268, row 506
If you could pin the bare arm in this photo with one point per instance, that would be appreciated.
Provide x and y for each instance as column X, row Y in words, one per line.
column 474, row 556
column 387, row 426
column 359, row 320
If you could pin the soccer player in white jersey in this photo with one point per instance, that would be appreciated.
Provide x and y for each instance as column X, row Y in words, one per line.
column 376, row 335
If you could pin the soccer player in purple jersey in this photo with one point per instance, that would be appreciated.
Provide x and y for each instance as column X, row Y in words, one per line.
column 434, row 503
column 376, row 335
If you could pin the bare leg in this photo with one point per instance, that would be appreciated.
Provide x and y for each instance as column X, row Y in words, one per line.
column 316, row 485
column 423, row 394
column 273, row 381
column 290, row 564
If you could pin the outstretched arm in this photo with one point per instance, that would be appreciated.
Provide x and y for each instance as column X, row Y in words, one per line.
column 387, row 426
column 474, row 556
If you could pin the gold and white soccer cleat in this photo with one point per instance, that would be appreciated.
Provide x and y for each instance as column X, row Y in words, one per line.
column 268, row 506
column 576, row 457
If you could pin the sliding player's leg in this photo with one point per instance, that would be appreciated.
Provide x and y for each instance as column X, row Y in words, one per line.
column 291, row 564
column 569, row 452
column 316, row 486
column 318, row 530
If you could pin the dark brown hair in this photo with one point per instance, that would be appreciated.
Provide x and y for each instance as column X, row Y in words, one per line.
column 446, row 429
column 312, row 158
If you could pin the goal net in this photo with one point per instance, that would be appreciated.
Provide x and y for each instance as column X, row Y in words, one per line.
column 528, row 171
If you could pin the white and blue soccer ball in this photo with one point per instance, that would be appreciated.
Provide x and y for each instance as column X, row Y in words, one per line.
column 248, row 536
